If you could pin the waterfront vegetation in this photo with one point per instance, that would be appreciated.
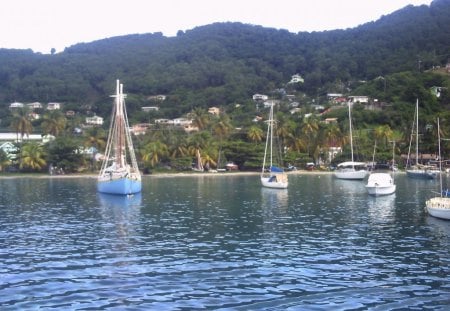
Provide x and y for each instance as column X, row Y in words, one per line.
column 222, row 65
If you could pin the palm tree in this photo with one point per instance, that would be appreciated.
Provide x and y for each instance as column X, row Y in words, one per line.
column 95, row 137
column 32, row 156
column 310, row 128
column 4, row 160
column 383, row 132
column 222, row 127
column 21, row 123
column 255, row 133
column 201, row 118
column 153, row 152
column 54, row 123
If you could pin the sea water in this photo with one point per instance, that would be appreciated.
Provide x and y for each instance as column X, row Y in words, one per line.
column 221, row 243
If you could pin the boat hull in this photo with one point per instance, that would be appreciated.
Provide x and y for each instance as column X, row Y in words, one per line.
column 121, row 186
column 380, row 190
column 422, row 174
column 380, row 184
column 350, row 174
column 274, row 182
column 439, row 207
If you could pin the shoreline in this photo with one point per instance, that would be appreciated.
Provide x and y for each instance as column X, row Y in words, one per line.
column 165, row 174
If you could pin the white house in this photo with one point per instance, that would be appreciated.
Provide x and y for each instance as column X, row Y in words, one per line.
column 260, row 97
column 297, row 79
column 150, row 108
column 35, row 105
column 358, row 99
column 4, row 137
column 16, row 105
column 95, row 120
column 53, row 106
column 163, row 121
column 10, row 149
column 181, row 121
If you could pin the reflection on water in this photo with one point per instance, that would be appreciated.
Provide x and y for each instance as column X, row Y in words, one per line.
column 120, row 201
column 221, row 243
column 381, row 207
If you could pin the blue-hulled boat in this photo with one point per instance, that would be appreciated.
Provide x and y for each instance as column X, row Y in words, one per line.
column 119, row 173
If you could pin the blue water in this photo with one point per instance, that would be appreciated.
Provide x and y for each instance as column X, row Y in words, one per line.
column 221, row 243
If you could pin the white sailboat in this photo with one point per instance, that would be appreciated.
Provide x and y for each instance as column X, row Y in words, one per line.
column 273, row 176
column 116, row 175
column 382, row 183
column 351, row 169
column 439, row 206
column 418, row 170
column 198, row 167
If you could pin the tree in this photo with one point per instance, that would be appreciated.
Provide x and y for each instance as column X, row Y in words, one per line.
column 53, row 123
column 153, row 152
column 201, row 118
column 255, row 134
column 4, row 160
column 32, row 156
column 21, row 123
column 64, row 153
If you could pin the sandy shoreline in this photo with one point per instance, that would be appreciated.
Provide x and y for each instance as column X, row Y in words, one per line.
column 157, row 175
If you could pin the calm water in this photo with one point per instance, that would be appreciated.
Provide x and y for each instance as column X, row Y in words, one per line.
column 221, row 242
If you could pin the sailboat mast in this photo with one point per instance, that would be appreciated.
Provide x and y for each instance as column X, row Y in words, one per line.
column 417, row 131
column 350, row 123
column 271, row 132
column 119, row 127
column 440, row 161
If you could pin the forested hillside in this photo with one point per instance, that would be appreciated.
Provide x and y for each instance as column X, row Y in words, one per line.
column 223, row 63
column 395, row 61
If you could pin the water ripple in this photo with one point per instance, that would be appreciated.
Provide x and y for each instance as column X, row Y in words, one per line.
column 202, row 243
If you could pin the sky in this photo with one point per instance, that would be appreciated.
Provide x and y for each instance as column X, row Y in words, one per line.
column 41, row 25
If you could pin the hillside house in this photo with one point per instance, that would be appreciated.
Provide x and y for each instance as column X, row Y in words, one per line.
column 95, row 120
column 157, row 98
column 10, row 149
column 260, row 97
column 35, row 105
column 181, row 122
column 16, row 105
column 214, row 111
column 140, row 128
column 297, row 79
column 164, row 121
column 150, row 108
column 53, row 106
column 358, row 99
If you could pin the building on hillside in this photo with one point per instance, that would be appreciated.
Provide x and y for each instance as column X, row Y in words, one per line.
column 436, row 90
column 53, row 106
column 140, row 128
column 157, row 97
column 358, row 99
column 149, row 108
column 297, row 79
column 260, row 97
column 14, row 137
column 16, row 105
column 190, row 128
column 214, row 111
column 182, row 122
column 9, row 149
column 95, row 120
column 269, row 103
column 163, row 121
column 35, row 105
column 330, row 120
